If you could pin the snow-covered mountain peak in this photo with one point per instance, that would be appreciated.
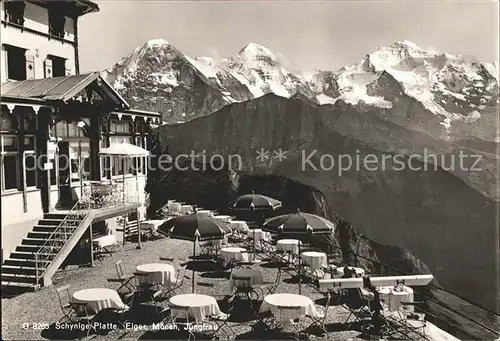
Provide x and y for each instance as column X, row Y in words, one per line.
column 157, row 42
column 253, row 50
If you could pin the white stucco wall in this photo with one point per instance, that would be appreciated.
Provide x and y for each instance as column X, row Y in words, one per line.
column 37, row 18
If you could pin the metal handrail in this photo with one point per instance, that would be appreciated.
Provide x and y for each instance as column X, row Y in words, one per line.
column 495, row 332
column 59, row 237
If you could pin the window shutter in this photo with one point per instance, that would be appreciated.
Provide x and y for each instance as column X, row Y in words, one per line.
column 48, row 68
column 30, row 65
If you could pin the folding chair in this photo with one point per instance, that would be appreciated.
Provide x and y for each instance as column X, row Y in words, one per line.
column 64, row 296
column 358, row 306
column 143, row 288
column 320, row 320
column 180, row 275
column 414, row 322
column 271, row 287
column 80, row 314
column 179, row 316
column 124, row 280
column 221, row 321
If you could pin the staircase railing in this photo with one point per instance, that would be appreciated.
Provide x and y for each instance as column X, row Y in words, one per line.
column 60, row 236
column 94, row 196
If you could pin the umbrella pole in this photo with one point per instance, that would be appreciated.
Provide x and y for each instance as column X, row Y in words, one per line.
column 300, row 270
column 253, row 236
column 192, row 277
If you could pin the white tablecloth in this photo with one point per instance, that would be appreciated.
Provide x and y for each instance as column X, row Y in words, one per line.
column 199, row 306
column 186, row 209
column 315, row 260
column 236, row 279
column 288, row 245
column 151, row 225
column 104, row 241
column 239, row 225
column 223, row 218
column 392, row 299
column 158, row 273
column 214, row 242
column 237, row 253
column 100, row 298
column 276, row 302
column 206, row 213
column 258, row 235
column 174, row 207
column 359, row 272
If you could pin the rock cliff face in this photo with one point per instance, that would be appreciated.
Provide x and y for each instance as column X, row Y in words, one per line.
column 431, row 212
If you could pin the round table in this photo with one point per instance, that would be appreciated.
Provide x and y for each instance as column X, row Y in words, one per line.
column 257, row 235
column 223, row 218
column 174, row 207
column 186, row 209
column 245, row 278
column 196, row 305
column 358, row 271
column 392, row 298
column 98, row 299
column 315, row 260
column 206, row 213
column 239, row 225
column 237, row 253
column 158, row 273
column 288, row 245
column 277, row 304
column 151, row 225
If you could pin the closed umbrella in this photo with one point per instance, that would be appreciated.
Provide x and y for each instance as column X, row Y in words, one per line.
column 300, row 225
column 194, row 228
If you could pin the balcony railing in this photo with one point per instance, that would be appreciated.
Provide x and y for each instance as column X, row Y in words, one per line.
column 98, row 195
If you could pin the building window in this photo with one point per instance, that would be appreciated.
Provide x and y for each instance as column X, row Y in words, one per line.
column 10, row 163
column 57, row 21
column 58, row 66
column 14, row 11
column 16, row 63
column 118, row 127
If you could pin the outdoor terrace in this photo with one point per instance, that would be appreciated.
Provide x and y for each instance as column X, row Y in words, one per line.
column 34, row 315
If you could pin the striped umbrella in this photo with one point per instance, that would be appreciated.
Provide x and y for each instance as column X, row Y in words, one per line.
column 194, row 227
column 299, row 225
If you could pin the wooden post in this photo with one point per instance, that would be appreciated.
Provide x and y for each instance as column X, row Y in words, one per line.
column 139, row 246
column 91, row 246
column 94, row 141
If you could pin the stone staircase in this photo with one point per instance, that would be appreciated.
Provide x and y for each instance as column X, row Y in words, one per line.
column 19, row 270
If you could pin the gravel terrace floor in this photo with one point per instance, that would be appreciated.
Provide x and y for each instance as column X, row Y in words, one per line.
column 32, row 316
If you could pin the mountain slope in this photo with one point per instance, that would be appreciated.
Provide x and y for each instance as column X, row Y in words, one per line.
column 158, row 77
column 431, row 212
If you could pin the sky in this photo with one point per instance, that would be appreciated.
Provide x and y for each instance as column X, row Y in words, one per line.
column 304, row 35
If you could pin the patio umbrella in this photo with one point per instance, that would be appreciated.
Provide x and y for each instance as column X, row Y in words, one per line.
column 255, row 203
column 300, row 225
column 124, row 150
column 193, row 227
